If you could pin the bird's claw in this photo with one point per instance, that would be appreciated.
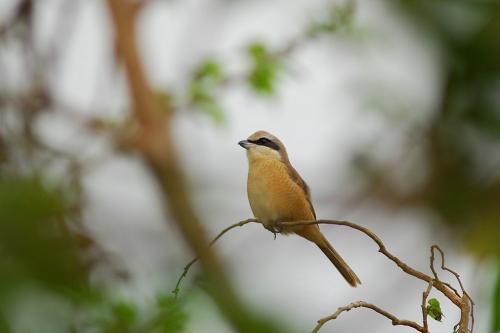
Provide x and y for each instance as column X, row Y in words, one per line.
column 274, row 229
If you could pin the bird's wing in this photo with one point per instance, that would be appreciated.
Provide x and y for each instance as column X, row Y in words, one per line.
column 303, row 185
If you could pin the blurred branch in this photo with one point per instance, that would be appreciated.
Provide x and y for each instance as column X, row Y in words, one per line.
column 463, row 302
column 155, row 142
column 23, row 12
column 460, row 183
column 266, row 65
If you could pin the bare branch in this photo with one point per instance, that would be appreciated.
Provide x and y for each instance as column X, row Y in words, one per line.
column 432, row 258
column 467, row 308
column 382, row 249
column 361, row 304
column 472, row 320
column 188, row 266
column 444, row 268
column 464, row 303
column 425, row 294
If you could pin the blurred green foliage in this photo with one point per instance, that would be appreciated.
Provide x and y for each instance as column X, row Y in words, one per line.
column 167, row 316
column 35, row 243
column 38, row 249
column 264, row 69
column 265, row 64
column 337, row 18
column 171, row 317
column 495, row 327
column 461, row 140
column 122, row 317
column 459, row 189
column 203, row 87
column 462, row 179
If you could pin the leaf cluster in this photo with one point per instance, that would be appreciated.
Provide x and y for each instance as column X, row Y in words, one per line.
column 167, row 316
column 35, row 243
column 338, row 18
column 264, row 69
column 205, row 81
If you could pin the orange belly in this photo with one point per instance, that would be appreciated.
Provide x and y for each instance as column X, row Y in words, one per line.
column 274, row 196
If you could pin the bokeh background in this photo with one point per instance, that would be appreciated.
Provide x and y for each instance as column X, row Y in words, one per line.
column 390, row 110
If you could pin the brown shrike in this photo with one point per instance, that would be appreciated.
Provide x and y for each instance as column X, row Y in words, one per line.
column 276, row 192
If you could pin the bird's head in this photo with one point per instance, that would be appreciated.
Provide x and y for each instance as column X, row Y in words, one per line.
column 264, row 145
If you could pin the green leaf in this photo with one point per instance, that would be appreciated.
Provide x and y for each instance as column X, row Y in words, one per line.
column 265, row 69
column 434, row 309
column 205, row 81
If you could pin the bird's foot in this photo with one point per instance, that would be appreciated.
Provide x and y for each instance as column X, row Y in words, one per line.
column 271, row 229
column 274, row 229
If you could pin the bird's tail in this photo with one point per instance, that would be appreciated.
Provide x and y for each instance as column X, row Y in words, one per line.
column 339, row 263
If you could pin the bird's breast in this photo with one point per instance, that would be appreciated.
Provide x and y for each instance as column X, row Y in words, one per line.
column 273, row 195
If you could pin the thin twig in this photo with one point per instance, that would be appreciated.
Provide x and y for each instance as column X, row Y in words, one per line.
column 188, row 266
column 432, row 259
column 425, row 294
column 472, row 320
column 467, row 309
column 443, row 267
column 361, row 304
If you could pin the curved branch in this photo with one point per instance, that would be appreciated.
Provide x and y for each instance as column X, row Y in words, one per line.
column 382, row 249
column 432, row 259
column 444, row 268
column 467, row 308
column 464, row 302
column 189, row 264
column 361, row 304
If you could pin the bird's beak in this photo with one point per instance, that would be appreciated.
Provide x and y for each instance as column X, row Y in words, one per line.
column 244, row 143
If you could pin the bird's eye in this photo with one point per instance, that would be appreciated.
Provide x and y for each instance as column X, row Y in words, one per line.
column 266, row 142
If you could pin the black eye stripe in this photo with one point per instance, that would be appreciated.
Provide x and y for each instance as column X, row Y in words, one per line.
column 265, row 142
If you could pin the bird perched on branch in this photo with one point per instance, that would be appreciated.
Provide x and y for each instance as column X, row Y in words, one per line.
column 277, row 193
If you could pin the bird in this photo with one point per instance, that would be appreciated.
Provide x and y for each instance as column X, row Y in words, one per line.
column 277, row 193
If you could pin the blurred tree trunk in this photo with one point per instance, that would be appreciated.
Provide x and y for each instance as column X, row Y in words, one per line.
column 155, row 142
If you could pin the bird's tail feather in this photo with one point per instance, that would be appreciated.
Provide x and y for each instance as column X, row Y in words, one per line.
column 339, row 263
